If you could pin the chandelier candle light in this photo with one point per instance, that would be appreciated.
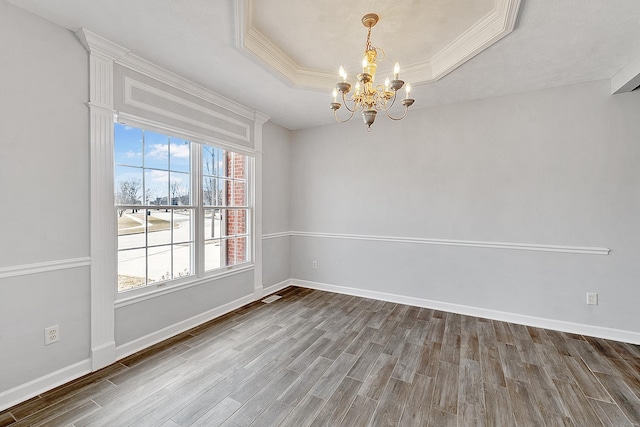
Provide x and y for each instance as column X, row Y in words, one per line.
column 367, row 96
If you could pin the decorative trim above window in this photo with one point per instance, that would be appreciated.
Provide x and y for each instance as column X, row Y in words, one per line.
column 234, row 128
column 240, row 125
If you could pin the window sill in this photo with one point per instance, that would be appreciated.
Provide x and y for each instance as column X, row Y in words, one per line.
column 126, row 298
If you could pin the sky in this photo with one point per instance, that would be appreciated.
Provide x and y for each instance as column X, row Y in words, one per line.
column 161, row 162
column 153, row 159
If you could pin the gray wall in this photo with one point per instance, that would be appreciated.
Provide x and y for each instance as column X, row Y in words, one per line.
column 44, row 168
column 551, row 167
column 44, row 171
column 276, row 163
column 146, row 317
column 558, row 166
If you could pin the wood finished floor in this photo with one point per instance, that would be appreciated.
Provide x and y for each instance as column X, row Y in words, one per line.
column 322, row 359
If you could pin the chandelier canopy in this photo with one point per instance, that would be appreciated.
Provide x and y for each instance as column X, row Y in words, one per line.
column 368, row 97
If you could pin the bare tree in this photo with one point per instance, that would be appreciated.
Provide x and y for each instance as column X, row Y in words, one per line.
column 128, row 194
column 176, row 192
column 148, row 196
column 210, row 187
column 209, row 190
column 212, row 191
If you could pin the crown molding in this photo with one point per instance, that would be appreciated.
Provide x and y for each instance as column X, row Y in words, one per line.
column 99, row 45
column 627, row 79
column 261, row 118
column 254, row 44
column 484, row 33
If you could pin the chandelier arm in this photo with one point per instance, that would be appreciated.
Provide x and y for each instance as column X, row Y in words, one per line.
column 335, row 114
column 349, row 109
column 393, row 101
column 380, row 98
column 355, row 104
column 406, row 110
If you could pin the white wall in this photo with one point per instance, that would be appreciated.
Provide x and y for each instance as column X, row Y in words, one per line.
column 44, row 170
column 551, row 167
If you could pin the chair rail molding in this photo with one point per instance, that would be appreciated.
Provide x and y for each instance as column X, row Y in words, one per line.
column 588, row 250
column 469, row 243
column 43, row 267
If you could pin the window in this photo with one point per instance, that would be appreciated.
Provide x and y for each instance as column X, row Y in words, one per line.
column 159, row 207
column 225, row 207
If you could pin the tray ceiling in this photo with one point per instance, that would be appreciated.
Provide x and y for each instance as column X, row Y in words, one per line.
column 553, row 43
column 306, row 42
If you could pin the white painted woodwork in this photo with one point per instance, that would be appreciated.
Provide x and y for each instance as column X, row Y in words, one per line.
column 103, row 216
column 256, row 246
column 628, row 78
column 43, row 267
column 468, row 31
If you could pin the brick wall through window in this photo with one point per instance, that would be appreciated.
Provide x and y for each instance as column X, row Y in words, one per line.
column 236, row 219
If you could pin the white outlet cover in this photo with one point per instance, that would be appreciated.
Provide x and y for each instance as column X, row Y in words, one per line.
column 51, row 334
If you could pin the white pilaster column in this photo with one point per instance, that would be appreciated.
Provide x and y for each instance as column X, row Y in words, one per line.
column 260, row 119
column 102, row 55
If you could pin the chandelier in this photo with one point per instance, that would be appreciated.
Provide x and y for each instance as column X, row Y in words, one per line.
column 368, row 97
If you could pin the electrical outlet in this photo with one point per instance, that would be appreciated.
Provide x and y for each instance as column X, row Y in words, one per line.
column 592, row 298
column 51, row 334
column 314, row 265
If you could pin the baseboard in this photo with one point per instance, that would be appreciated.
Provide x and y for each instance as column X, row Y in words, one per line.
column 47, row 382
column 173, row 330
column 103, row 355
column 539, row 322
column 277, row 287
column 50, row 381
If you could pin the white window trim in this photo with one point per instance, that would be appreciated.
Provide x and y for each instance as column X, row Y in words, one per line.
column 200, row 276
column 102, row 55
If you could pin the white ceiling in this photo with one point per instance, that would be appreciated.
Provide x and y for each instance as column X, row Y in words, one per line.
column 443, row 34
column 554, row 43
column 325, row 27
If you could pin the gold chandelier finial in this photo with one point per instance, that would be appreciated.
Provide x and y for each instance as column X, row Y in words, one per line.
column 367, row 97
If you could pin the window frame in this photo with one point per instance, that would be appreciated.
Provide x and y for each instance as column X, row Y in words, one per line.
column 199, row 275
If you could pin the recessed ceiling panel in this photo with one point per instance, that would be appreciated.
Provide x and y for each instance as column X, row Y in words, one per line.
column 306, row 41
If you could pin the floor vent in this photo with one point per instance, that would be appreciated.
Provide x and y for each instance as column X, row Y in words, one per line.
column 271, row 298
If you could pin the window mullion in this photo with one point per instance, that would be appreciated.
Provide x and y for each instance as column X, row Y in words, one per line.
column 197, row 199
column 231, row 228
